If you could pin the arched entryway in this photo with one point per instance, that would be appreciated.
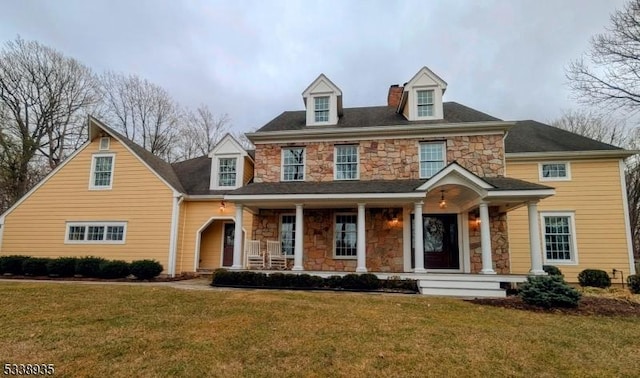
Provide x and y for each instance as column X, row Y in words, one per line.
column 214, row 244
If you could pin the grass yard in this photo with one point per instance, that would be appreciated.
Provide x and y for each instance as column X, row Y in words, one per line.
column 149, row 331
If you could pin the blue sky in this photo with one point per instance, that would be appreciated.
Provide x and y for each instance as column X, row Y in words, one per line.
column 253, row 59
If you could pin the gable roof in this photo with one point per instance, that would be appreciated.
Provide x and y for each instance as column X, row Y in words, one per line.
column 533, row 136
column 375, row 116
column 157, row 165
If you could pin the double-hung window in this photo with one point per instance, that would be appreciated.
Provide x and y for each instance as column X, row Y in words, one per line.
column 345, row 235
column 293, row 164
column 346, row 164
column 432, row 158
column 102, row 171
column 321, row 109
column 425, row 103
column 288, row 233
column 96, row 232
column 227, row 171
column 555, row 171
column 559, row 238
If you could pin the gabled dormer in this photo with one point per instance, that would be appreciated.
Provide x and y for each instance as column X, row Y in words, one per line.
column 422, row 96
column 323, row 101
column 228, row 159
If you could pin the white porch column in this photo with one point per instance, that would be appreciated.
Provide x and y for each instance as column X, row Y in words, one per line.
column 485, row 240
column 361, row 243
column 418, row 252
column 298, row 243
column 237, row 239
column 534, row 239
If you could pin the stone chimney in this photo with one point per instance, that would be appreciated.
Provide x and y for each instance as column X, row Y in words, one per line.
column 394, row 96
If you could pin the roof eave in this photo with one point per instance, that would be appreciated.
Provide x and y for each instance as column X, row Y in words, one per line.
column 574, row 155
column 392, row 130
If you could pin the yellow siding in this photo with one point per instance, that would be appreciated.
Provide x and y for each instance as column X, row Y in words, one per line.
column 248, row 171
column 37, row 226
column 194, row 216
column 594, row 194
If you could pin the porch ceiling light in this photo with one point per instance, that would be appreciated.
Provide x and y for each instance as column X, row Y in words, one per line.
column 222, row 206
column 443, row 203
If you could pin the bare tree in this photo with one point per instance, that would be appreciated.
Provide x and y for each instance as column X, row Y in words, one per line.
column 201, row 131
column 609, row 74
column 144, row 112
column 42, row 95
column 591, row 124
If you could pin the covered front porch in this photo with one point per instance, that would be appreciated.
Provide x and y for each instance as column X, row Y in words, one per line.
column 453, row 223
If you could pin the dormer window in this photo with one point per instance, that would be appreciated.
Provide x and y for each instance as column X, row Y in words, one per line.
column 425, row 103
column 322, row 109
column 227, row 172
column 323, row 101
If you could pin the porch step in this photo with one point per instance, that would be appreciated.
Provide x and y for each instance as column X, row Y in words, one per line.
column 455, row 287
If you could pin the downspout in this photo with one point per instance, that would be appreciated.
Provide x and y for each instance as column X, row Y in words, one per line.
column 173, row 239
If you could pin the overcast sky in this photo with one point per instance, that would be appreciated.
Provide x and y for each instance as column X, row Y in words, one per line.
column 253, row 59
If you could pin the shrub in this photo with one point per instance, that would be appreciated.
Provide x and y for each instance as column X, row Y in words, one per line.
column 634, row 283
column 35, row 266
column 89, row 266
column 12, row 264
column 594, row 278
column 222, row 277
column 62, row 267
column 365, row 281
column 114, row 269
column 306, row 281
column 277, row 280
column 549, row 292
column 399, row 284
column 146, row 269
column 333, row 282
column 552, row 270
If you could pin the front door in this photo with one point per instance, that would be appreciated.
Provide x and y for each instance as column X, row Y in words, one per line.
column 440, row 240
column 227, row 244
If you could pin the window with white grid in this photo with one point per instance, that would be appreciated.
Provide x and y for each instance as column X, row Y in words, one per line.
column 102, row 171
column 345, row 235
column 425, row 103
column 96, row 232
column 293, row 164
column 227, row 171
column 432, row 158
column 321, row 109
column 556, row 171
column 558, row 238
column 288, row 234
column 346, row 162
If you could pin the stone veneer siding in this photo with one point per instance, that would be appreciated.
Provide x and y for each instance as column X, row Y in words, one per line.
column 384, row 238
column 499, row 244
column 385, row 159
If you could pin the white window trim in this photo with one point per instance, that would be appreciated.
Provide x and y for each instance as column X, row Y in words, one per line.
column 93, row 168
column 437, row 103
column 335, row 162
column 567, row 168
column 304, row 163
column 99, row 224
column 104, row 139
column 280, row 232
column 336, row 257
column 218, row 159
column 214, row 183
column 328, row 97
column 444, row 155
column 311, row 112
column 573, row 239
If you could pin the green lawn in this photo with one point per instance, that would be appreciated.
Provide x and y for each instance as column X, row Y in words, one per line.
column 125, row 331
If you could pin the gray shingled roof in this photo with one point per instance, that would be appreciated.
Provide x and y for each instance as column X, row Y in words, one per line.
column 161, row 167
column 366, row 187
column 195, row 175
column 532, row 136
column 376, row 116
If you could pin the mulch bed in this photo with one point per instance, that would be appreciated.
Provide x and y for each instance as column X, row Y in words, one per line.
column 588, row 306
column 47, row 278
